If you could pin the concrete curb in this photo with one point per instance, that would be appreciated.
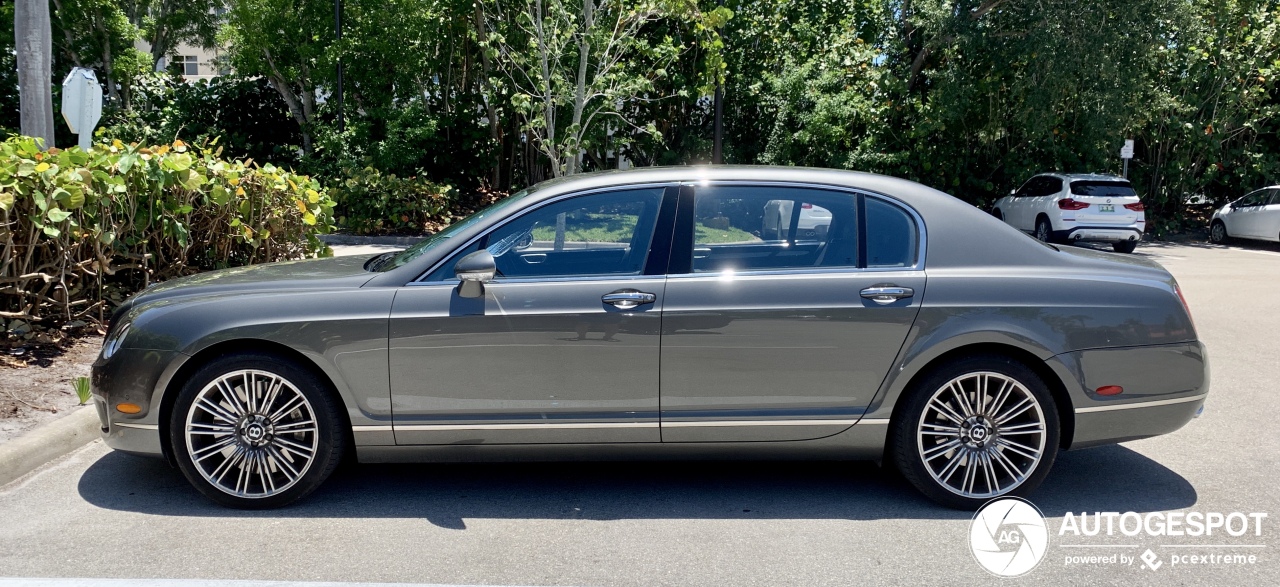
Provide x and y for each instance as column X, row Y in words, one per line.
column 351, row 239
column 28, row 452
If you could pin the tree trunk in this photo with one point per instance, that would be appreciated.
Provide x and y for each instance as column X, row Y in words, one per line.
column 482, row 36
column 573, row 159
column 34, row 43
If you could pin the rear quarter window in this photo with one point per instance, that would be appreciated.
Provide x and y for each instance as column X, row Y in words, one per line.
column 892, row 238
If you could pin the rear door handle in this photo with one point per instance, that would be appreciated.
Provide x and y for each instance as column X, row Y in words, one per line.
column 887, row 293
column 627, row 299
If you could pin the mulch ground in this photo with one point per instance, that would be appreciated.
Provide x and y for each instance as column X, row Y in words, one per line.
column 36, row 381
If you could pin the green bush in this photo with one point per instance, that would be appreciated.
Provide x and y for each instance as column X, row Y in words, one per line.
column 371, row 202
column 246, row 115
column 81, row 230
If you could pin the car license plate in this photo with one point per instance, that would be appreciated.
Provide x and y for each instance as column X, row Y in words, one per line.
column 1106, row 207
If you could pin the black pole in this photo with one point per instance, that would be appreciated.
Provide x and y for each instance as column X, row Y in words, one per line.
column 337, row 30
column 717, row 150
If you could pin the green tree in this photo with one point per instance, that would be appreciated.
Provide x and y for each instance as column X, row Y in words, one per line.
column 286, row 42
column 164, row 24
column 572, row 67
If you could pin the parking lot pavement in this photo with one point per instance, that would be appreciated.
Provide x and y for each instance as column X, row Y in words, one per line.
column 101, row 514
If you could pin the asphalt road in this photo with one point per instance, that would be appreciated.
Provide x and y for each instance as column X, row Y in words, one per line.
column 98, row 514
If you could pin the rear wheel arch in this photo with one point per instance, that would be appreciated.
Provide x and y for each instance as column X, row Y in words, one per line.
column 236, row 347
column 1057, row 389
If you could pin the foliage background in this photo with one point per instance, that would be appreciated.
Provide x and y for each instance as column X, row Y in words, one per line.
column 487, row 96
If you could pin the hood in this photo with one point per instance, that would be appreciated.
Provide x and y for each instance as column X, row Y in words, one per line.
column 333, row 272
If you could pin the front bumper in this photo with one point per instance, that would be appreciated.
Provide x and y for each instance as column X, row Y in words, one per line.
column 138, row 377
column 1165, row 387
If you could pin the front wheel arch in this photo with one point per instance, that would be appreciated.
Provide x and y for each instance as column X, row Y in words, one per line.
column 239, row 346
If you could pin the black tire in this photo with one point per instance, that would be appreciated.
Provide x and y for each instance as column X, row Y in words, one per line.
column 1218, row 233
column 1124, row 246
column 998, row 214
column 909, row 446
column 1044, row 230
column 327, row 441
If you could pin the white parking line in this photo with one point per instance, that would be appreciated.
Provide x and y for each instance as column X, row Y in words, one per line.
column 37, row 582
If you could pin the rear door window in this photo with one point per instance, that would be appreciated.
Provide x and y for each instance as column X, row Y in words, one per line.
column 744, row 228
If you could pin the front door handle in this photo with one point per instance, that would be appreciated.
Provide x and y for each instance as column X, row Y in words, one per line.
column 887, row 293
column 627, row 299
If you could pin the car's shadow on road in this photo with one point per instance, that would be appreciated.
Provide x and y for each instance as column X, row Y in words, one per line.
column 1112, row 478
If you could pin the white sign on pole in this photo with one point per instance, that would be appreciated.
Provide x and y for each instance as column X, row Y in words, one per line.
column 82, row 103
column 1126, row 152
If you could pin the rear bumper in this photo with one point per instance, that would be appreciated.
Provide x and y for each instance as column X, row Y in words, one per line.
column 1165, row 387
column 1110, row 234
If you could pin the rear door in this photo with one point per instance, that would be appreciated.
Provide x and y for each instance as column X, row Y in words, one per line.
column 1269, row 223
column 783, row 339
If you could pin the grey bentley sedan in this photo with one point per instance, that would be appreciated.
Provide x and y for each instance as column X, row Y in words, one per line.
column 723, row 312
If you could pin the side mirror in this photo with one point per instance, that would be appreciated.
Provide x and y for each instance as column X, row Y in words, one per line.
column 1013, row 192
column 474, row 271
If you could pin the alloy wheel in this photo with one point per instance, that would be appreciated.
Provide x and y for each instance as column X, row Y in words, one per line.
column 1218, row 232
column 981, row 435
column 251, row 433
column 1042, row 231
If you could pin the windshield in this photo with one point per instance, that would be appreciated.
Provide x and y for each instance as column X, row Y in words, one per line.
column 427, row 244
column 1103, row 189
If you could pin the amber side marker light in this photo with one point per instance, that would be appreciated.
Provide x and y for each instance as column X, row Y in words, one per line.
column 1110, row 390
column 128, row 408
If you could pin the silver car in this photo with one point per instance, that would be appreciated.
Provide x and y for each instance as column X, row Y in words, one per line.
column 638, row 315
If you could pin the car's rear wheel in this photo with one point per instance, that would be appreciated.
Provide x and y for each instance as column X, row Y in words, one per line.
column 1124, row 246
column 255, row 431
column 998, row 214
column 1218, row 233
column 976, row 429
column 1044, row 230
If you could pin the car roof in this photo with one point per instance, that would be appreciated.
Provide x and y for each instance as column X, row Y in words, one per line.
column 948, row 220
column 1086, row 176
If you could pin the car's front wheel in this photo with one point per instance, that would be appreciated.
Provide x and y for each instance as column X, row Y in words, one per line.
column 976, row 429
column 1218, row 233
column 255, row 431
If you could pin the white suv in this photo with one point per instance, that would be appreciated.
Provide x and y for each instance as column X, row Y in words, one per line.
column 1070, row 208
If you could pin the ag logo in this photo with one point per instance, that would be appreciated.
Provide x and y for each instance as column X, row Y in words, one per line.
column 1008, row 537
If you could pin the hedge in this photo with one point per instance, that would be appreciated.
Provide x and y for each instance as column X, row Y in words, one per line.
column 81, row 230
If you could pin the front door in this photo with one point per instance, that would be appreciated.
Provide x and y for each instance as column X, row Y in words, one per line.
column 783, row 335
column 563, row 347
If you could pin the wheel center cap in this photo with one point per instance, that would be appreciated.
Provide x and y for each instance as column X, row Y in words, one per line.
column 978, row 433
column 255, row 430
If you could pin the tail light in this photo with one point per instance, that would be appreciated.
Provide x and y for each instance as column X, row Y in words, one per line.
column 1183, row 299
column 1138, row 207
column 1069, row 204
column 806, row 206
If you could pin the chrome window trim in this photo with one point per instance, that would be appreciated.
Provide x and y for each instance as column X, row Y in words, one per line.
column 421, row 279
column 1133, row 405
column 921, row 244
column 519, row 280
